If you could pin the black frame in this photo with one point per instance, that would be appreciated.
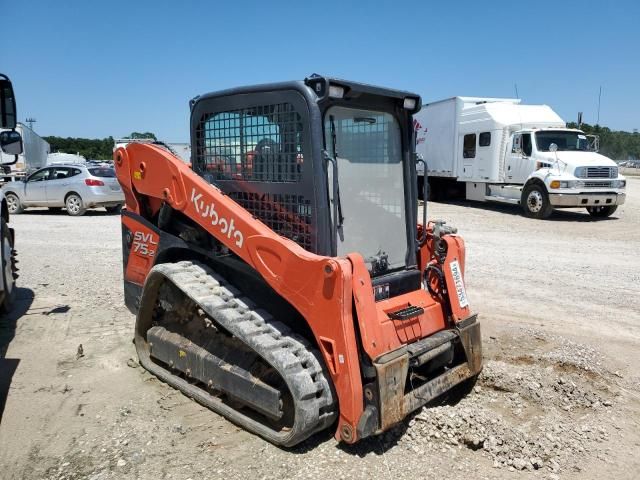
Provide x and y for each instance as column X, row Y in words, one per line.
column 311, row 100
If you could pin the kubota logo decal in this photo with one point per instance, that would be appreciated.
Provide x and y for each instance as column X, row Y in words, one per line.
column 227, row 227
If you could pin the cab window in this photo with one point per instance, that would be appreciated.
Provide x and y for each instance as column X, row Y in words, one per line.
column 469, row 146
column 526, row 144
column 522, row 143
column 484, row 139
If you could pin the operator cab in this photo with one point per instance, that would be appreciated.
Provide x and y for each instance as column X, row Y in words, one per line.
column 324, row 162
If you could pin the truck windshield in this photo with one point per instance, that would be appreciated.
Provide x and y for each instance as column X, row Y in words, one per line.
column 368, row 149
column 565, row 140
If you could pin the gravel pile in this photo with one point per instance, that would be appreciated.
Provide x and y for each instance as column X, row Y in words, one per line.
column 517, row 416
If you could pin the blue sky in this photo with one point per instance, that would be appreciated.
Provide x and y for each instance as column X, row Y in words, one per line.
column 94, row 69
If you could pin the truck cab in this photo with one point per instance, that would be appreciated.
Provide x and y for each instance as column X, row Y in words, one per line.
column 499, row 150
column 558, row 168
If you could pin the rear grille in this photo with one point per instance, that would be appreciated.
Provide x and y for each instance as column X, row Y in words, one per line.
column 601, row 172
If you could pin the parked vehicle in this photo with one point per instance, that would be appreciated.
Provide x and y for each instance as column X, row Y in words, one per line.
column 11, row 147
column 502, row 151
column 73, row 186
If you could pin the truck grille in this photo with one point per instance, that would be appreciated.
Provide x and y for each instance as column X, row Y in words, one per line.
column 601, row 172
column 597, row 184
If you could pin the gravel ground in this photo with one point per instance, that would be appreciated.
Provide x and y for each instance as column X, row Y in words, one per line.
column 559, row 302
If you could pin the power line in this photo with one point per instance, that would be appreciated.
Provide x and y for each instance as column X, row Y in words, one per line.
column 30, row 121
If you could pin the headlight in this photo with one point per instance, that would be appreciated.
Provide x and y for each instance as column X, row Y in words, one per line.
column 562, row 184
column 580, row 172
column 614, row 172
column 620, row 183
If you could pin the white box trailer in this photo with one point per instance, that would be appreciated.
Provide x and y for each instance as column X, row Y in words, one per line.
column 35, row 151
column 497, row 149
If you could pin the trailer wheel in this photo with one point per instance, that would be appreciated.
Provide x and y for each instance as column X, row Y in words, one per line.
column 602, row 211
column 535, row 201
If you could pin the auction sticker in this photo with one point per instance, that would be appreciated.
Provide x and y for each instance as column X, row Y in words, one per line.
column 459, row 284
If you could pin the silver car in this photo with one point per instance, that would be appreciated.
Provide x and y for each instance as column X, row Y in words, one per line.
column 75, row 187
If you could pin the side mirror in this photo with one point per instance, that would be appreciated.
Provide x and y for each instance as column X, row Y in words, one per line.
column 8, row 116
column 10, row 142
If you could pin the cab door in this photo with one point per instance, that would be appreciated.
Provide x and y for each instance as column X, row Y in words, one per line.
column 520, row 163
column 35, row 188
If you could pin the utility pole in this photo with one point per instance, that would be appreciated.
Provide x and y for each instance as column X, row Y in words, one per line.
column 30, row 121
column 599, row 98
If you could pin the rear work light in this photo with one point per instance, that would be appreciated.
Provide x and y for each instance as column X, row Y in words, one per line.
column 93, row 183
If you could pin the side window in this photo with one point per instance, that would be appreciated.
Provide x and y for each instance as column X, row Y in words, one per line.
column 469, row 146
column 526, row 144
column 517, row 144
column 262, row 143
column 40, row 175
column 74, row 172
column 485, row 139
column 59, row 173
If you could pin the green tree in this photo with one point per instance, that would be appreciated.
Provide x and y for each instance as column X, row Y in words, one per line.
column 618, row 145
column 142, row 135
column 91, row 149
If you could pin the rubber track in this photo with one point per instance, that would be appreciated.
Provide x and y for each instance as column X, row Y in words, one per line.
column 289, row 354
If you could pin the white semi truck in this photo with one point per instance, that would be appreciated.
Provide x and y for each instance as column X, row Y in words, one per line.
column 498, row 150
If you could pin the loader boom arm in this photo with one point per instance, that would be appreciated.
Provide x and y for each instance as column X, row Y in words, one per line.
column 320, row 288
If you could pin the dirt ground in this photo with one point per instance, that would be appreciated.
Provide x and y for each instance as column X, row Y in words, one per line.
column 559, row 302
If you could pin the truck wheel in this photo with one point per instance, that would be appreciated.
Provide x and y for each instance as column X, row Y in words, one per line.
column 602, row 211
column 13, row 203
column 74, row 204
column 8, row 268
column 535, row 202
column 114, row 209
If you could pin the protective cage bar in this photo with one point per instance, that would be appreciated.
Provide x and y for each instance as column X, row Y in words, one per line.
column 262, row 143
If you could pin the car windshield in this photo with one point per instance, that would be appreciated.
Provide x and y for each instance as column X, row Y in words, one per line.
column 566, row 141
column 368, row 148
column 105, row 172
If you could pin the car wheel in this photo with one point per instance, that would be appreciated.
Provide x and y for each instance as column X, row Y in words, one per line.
column 75, row 205
column 8, row 267
column 13, row 203
column 114, row 209
column 602, row 211
column 535, row 202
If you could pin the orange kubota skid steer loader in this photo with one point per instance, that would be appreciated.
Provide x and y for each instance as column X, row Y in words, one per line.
column 282, row 279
